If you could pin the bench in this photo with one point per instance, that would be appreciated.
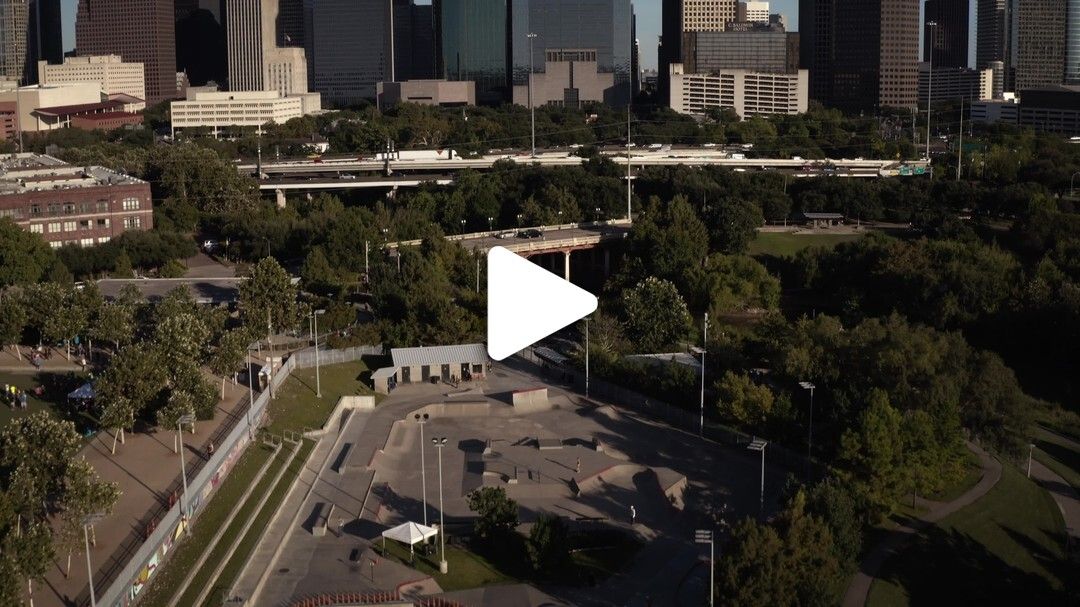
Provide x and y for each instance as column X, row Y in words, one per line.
column 341, row 462
column 323, row 512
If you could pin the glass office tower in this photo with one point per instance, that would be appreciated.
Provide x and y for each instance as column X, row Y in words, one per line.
column 471, row 44
column 604, row 26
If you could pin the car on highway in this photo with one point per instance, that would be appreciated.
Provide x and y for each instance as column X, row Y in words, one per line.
column 530, row 233
column 509, row 234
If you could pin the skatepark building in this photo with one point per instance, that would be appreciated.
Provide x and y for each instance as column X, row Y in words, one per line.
column 447, row 363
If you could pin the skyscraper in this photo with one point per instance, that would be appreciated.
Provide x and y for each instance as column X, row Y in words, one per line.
column 861, row 54
column 14, row 51
column 201, row 50
column 1040, row 44
column 351, row 48
column 257, row 61
column 472, row 43
column 1072, row 44
column 603, row 27
column 948, row 40
column 141, row 31
column 414, row 41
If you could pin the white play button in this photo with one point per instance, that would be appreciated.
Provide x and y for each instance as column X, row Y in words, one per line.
column 526, row 303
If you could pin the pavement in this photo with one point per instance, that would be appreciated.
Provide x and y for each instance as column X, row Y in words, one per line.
column 146, row 469
column 1064, row 494
column 10, row 362
column 381, row 486
column 897, row 538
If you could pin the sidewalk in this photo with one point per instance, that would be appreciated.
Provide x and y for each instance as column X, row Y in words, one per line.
column 146, row 470
column 1066, row 497
column 897, row 538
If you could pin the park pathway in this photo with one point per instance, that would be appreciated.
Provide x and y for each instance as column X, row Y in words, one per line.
column 897, row 538
column 1064, row 494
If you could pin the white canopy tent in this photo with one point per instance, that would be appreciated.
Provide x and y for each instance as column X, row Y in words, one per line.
column 409, row 533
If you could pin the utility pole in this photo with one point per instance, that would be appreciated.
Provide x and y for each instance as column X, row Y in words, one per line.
column 960, row 148
column 629, row 187
column 258, row 151
column 270, row 350
column 586, row 357
column 532, row 107
column 929, row 86
column 366, row 270
column 704, row 344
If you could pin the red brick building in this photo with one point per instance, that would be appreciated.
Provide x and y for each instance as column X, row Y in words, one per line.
column 67, row 204
column 140, row 31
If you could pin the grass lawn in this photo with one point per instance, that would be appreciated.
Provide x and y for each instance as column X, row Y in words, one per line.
column 57, row 386
column 783, row 244
column 1007, row 548
column 595, row 555
column 247, row 544
column 230, row 534
column 168, row 578
column 1058, row 456
column 296, row 406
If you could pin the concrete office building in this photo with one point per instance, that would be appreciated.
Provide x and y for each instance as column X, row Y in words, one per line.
column 72, row 205
column 996, row 110
column 23, row 103
column 873, row 69
column 754, row 47
column 708, row 15
column 218, row 109
column 1040, row 44
column 1053, row 109
column 112, row 74
column 952, row 83
column 30, row 31
column 752, row 12
column 443, row 93
column 140, row 31
column 570, row 36
column 748, row 93
column 948, row 40
column 351, row 49
column 994, row 38
column 256, row 59
column 1072, row 43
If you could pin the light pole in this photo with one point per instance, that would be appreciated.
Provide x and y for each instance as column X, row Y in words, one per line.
column 463, row 226
column 532, row 108
column 705, row 536
column 759, row 444
column 1031, row 447
column 318, row 383
column 704, row 343
column 1072, row 183
column 805, row 385
column 929, row 84
column 88, row 521
column 586, row 357
column 185, row 504
column 443, row 568
column 422, row 419
column 251, row 394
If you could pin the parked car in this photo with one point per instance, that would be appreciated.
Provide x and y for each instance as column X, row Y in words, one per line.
column 530, row 233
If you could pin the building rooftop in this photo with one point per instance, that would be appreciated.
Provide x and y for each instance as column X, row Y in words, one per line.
column 29, row 172
column 81, row 108
column 439, row 355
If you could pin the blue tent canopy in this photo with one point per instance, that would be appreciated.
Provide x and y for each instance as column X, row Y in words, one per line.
column 83, row 392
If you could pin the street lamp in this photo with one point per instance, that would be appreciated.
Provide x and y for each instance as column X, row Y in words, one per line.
column 490, row 219
column 532, row 108
column 422, row 419
column 586, row 357
column 88, row 521
column 443, row 568
column 704, row 344
column 185, row 504
column 929, row 84
column 251, row 394
column 1072, row 182
column 318, row 383
column 462, row 226
column 1031, row 447
column 805, row 385
column 759, row 444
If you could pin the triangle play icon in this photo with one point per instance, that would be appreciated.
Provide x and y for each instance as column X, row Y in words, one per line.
column 526, row 303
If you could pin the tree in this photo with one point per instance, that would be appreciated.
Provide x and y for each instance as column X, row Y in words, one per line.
column 24, row 257
column 66, row 321
column 229, row 355
column 743, row 400
column 181, row 338
column 39, row 472
column 85, row 494
column 173, row 268
column 268, row 296
column 872, row 456
column 496, row 513
column 122, row 266
column 549, row 545
column 656, row 315
column 114, row 323
column 13, row 319
column 317, row 274
column 118, row 413
column 134, row 379
column 188, row 378
column 168, row 417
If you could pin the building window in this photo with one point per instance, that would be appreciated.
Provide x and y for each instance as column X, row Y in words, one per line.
column 69, row 208
column 54, row 209
column 86, row 242
column 103, row 239
column 54, row 227
column 131, row 204
column 85, row 224
column 132, row 223
column 103, row 206
column 103, row 223
column 56, row 244
column 37, row 228
column 69, row 226
column 35, row 210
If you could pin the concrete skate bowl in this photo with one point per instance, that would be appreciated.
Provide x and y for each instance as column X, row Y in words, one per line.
column 653, row 492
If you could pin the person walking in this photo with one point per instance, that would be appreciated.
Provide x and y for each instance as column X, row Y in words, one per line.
column 633, row 515
column 577, row 466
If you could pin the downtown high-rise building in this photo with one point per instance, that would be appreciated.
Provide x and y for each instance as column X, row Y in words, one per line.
column 946, row 42
column 1072, row 43
column 350, row 48
column 472, row 43
column 30, row 31
column 257, row 61
column 414, row 41
column 862, row 55
column 1040, row 44
column 141, row 31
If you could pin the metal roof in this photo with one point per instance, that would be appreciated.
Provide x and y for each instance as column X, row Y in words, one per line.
column 439, row 355
column 823, row 215
column 384, row 373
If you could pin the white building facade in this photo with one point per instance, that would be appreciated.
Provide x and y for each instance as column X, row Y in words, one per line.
column 216, row 109
column 255, row 61
column 109, row 72
column 748, row 93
